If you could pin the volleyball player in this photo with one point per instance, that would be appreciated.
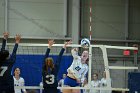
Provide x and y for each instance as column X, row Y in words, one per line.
column 18, row 81
column 50, row 70
column 6, row 64
column 77, row 71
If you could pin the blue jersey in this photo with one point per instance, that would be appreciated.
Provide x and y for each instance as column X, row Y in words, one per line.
column 6, row 79
column 50, row 79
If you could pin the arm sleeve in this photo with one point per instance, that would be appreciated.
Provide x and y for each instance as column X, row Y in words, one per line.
column 13, row 56
column 46, row 55
column 3, row 44
column 74, row 54
column 59, row 58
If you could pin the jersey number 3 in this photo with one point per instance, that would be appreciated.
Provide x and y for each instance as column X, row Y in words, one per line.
column 2, row 70
column 50, row 79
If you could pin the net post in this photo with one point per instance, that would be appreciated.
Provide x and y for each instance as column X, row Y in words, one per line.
column 104, row 50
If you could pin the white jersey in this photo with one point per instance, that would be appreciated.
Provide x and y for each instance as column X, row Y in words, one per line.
column 77, row 68
column 19, row 82
column 95, row 84
column 104, row 84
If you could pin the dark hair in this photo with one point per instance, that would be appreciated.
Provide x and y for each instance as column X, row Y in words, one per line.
column 14, row 70
column 95, row 74
column 3, row 55
column 87, row 60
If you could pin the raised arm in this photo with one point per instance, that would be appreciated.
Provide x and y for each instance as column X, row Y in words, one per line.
column 5, row 37
column 61, row 52
column 17, row 41
column 63, row 49
column 50, row 43
column 74, row 53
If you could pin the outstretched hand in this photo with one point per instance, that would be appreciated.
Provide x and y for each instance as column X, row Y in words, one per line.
column 50, row 42
column 17, row 38
column 67, row 43
column 5, row 35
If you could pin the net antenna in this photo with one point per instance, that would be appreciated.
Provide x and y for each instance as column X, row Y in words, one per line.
column 90, row 20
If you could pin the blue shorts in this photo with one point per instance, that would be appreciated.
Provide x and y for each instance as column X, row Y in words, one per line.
column 71, row 82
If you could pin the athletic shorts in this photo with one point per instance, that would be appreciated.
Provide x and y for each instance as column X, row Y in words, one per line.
column 71, row 82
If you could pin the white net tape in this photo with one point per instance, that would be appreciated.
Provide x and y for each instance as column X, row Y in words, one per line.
column 37, row 87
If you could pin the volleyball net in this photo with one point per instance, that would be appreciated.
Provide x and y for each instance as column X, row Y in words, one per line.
column 116, row 61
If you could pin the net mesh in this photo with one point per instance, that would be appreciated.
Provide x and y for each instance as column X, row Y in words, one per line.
column 31, row 57
column 97, row 61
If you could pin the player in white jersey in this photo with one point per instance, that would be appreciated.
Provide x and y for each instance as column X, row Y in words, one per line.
column 95, row 83
column 18, row 81
column 104, row 83
column 77, row 71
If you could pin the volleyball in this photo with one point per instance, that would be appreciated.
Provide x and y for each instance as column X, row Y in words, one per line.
column 85, row 43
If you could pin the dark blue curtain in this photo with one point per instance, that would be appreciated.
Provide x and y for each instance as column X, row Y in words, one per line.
column 31, row 67
column 134, row 82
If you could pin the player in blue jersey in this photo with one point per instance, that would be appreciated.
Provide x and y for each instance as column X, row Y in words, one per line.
column 6, row 64
column 50, row 70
